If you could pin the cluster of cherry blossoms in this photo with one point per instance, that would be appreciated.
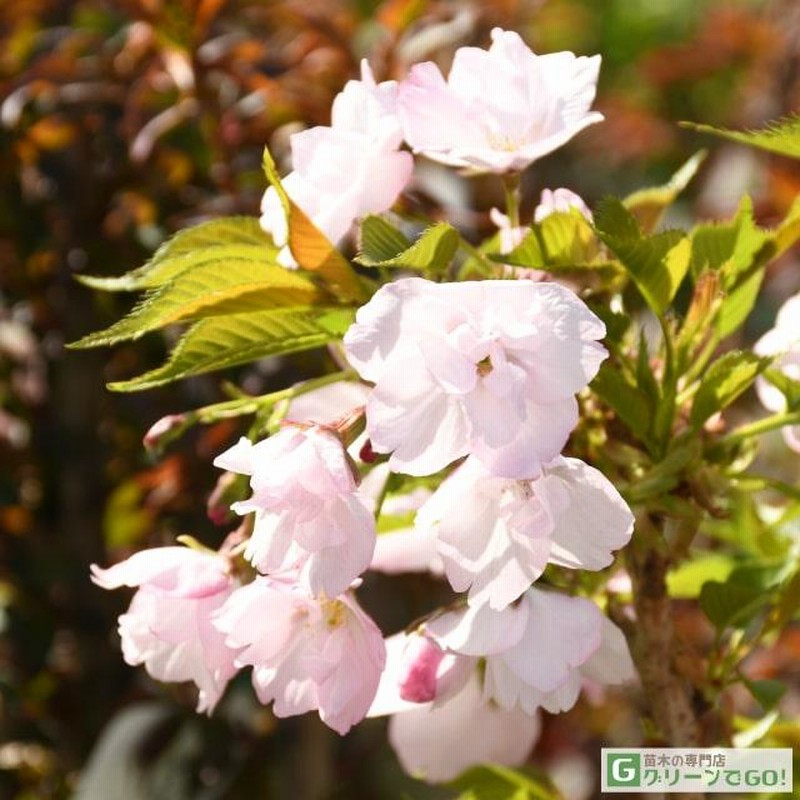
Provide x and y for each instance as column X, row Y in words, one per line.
column 471, row 386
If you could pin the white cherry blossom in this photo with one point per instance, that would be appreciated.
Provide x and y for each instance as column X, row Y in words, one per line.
column 496, row 535
column 483, row 367
column 306, row 653
column 168, row 627
column 500, row 109
column 308, row 514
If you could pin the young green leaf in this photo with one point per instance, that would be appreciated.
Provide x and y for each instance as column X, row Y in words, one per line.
column 781, row 136
column 648, row 205
column 724, row 381
column 562, row 240
column 434, row 250
column 738, row 251
column 379, row 241
column 220, row 285
column 231, row 237
column 219, row 342
column 657, row 264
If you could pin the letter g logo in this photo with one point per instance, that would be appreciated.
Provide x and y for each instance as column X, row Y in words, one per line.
column 623, row 769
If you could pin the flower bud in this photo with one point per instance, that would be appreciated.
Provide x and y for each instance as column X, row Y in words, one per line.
column 421, row 660
column 163, row 430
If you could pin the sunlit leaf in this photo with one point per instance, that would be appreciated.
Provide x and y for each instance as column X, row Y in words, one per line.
column 781, row 136
column 218, row 286
column 657, row 264
column 562, row 240
column 219, row 342
column 724, row 381
column 229, row 237
column 687, row 580
column 738, row 250
column 379, row 240
column 648, row 205
column 434, row 250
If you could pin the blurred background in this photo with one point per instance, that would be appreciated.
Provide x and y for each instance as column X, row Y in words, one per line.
column 122, row 122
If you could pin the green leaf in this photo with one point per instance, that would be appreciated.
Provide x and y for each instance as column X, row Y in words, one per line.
column 241, row 237
column 724, row 381
column 788, row 232
column 632, row 406
column 562, row 240
column 219, row 285
column 648, row 205
column 434, row 250
column 219, row 342
column 493, row 782
column 657, row 264
column 379, row 241
column 311, row 248
column 781, row 136
column 731, row 603
column 688, row 579
column 767, row 692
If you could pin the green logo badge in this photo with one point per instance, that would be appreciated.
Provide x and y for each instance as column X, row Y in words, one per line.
column 623, row 769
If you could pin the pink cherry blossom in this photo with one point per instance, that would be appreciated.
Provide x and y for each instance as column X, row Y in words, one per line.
column 538, row 652
column 561, row 200
column 428, row 737
column 440, row 741
column 496, row 535
column 783, row 342
column 306, row 653
column 334, row 168
column 500, row 109
column 309, row 516
column 168, row 625
column 487, row 367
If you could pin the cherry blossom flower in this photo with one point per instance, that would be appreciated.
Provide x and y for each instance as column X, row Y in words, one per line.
column 783, row 342
column 428, row 735
column 333, row 179
column 440, row 741
column 306, row 653
column 496, row 535
column 487, row 367
column 500, row 109
column 168, row 624
column 538, row 652
column 561, row 200
column 309, row 516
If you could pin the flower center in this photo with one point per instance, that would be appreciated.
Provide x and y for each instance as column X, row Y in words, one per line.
column 484, row 367
column 334, row 613
column 502, row 142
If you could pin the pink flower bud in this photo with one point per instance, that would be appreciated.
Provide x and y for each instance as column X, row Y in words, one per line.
column 152, row 439
column 421, row 660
